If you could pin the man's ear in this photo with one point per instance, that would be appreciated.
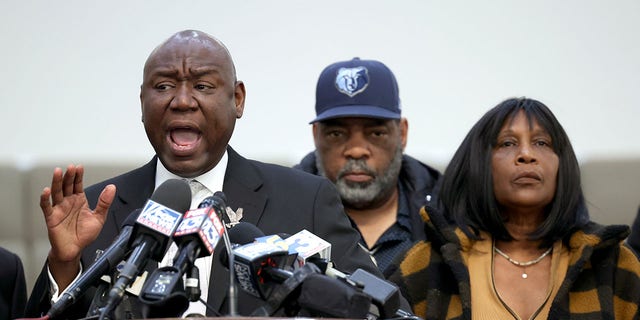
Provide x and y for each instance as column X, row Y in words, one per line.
column 404, row 131
column 141, row 104
column 240, row 94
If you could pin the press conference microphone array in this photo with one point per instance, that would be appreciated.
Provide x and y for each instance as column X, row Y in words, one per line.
column 152, row 232
column 384, row 295
column 355, row 292
column 311, row 248
column 196, row 236
column 103, row 265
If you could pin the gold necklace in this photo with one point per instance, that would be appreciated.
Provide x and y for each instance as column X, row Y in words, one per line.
column 524, row 265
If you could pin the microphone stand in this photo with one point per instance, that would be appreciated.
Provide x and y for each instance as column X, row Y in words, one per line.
column 233, row 294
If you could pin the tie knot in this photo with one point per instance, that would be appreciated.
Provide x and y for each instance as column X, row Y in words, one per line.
column 198, row 192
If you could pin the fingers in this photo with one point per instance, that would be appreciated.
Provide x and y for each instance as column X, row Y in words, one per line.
column 104, row 201
column 56, row 186
column 68, row 180
column 45, row 201
column 69, row 183
column 77, row 182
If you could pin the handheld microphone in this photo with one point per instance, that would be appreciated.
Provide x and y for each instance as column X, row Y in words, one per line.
column 306, row 245
column 384, row 294
column 310, row 248
column 241, row 234
column 196, row 236
column 154, row 227
column 258, row 262
column 104, row 264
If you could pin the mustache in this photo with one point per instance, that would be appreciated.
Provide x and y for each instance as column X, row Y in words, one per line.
column 357, row 165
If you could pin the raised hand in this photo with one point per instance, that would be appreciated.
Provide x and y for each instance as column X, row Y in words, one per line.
column 71, row 224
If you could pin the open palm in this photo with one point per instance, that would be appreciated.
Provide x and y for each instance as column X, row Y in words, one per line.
column 71, row 224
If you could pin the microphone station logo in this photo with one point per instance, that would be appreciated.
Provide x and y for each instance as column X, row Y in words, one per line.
column 307, row 244
column 243, row 275
column 157, row 217
column 211, row 231
column 192, row 221
column 205, row 223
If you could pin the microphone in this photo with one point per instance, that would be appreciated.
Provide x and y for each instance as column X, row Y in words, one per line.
column 241, row 234
column 384, row 295
column 219, row 204
column 307, row 245
column 154, row 227
column 311, row 248
column 196, row 236
column 104, row 264
column 258, row 262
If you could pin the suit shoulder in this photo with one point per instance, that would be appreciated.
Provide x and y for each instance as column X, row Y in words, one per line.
column 7, row 255
column 10, row 263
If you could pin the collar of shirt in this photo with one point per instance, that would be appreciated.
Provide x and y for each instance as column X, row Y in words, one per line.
column 212, row 179
column 400, row 230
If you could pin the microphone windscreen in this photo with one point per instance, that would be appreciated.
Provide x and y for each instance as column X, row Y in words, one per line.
column 343, row 300
column 174, row 194
column 244, row 233
column 241, row 234
column 221, row 195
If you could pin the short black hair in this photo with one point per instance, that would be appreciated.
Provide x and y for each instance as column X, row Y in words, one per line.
column 468, row 178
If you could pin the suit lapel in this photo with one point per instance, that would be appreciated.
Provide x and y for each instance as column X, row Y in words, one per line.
column 134, row 190
column 242, row 186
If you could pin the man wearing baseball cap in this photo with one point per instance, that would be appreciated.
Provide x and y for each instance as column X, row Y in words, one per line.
column 360, row 136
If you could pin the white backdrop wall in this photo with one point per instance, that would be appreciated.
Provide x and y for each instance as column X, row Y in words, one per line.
column 71, row 70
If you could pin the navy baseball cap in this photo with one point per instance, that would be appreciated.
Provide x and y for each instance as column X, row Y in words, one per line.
column 357, row 88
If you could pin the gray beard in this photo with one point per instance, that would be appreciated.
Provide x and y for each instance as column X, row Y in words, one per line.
column 363, row 195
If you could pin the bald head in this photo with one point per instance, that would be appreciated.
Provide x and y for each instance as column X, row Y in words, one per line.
column 193, row 39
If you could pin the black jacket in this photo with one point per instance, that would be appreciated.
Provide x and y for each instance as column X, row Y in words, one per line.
column 13, row 289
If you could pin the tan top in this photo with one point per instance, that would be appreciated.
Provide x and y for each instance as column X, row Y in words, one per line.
column 485, row 300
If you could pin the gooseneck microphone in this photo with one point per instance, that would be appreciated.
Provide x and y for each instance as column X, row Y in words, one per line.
column 153, row 229
column 103, row 265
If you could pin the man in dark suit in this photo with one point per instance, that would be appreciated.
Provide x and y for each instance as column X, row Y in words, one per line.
column 190, row 101
column 13, row 290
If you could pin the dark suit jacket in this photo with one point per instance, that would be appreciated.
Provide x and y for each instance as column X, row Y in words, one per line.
column 13, row 289
column 274, row 198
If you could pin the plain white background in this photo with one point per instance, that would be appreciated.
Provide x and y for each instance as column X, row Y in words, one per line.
column 71, row 70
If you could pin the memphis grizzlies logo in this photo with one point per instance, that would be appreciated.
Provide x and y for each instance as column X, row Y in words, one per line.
column 352, row 81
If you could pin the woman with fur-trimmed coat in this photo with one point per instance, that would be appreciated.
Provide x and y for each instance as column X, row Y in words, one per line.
column 526, row 249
